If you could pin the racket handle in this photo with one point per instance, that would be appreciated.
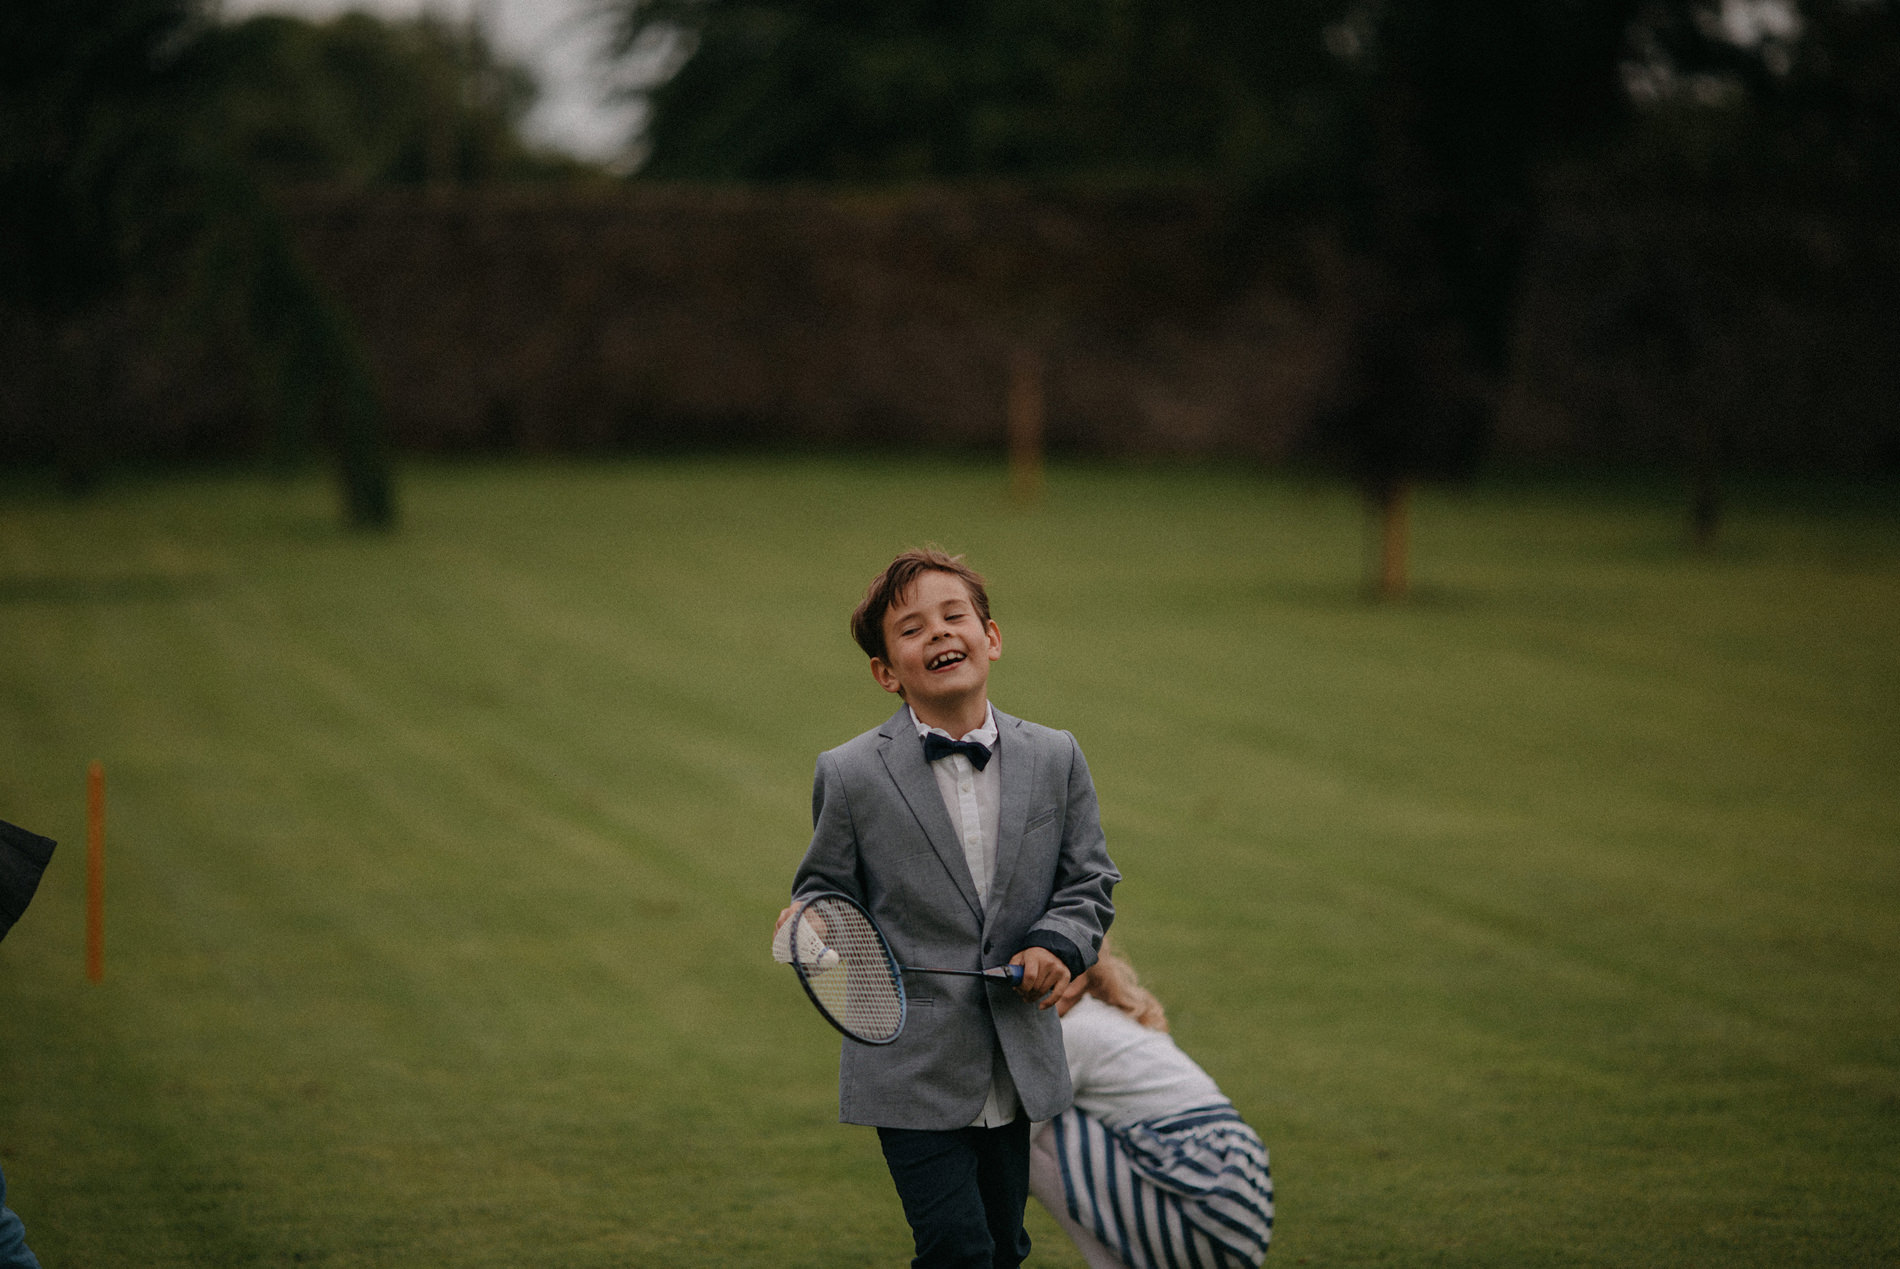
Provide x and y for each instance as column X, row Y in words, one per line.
column 1013, row 973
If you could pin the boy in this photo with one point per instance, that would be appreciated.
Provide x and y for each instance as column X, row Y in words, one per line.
column 973, row 839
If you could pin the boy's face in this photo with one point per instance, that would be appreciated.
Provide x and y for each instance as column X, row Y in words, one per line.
column 937, row 650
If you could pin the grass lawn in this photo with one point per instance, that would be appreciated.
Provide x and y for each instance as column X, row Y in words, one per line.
column 1552, row 918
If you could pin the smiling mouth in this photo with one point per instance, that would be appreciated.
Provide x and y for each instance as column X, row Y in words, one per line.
column 943, row 660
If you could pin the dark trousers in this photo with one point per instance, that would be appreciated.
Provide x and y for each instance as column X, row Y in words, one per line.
column 963, row 1192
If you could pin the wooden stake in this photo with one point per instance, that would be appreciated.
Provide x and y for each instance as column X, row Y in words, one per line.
column 96, row 872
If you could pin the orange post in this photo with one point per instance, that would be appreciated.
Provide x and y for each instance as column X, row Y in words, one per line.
column 96, row 872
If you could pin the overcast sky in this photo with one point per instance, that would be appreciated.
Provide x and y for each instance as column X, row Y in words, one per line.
column 556, row 39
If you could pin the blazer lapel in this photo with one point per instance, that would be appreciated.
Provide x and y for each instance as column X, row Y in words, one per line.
column 1017, row 772
column 903, row 756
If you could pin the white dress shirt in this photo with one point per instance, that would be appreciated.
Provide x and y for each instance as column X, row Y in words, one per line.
column 971, row 797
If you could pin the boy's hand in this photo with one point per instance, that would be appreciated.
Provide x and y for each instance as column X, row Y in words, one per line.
column 1044, row 975
column 782, row 937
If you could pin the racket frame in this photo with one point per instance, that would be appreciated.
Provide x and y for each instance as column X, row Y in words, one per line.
column 890, row 960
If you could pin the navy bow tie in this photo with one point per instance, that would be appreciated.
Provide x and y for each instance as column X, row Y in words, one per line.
column 936, row 746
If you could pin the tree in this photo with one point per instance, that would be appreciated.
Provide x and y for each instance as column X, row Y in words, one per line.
column 1414, row 126
column 118, row 182
column 137, row 138
column 868, row 91
column 359, row 101
column 1794, row 108
column 1418, row 130
column 1449, row 109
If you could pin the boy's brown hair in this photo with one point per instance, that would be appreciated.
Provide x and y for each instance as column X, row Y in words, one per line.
column 867, row 623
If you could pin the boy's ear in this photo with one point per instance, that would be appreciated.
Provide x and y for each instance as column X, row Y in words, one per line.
column 885, row 679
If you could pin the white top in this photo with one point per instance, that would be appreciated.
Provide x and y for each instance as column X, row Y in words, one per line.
column 970, row 796
column 1124, row 1072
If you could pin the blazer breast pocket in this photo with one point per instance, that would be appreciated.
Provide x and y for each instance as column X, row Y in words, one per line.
column 1037, row 821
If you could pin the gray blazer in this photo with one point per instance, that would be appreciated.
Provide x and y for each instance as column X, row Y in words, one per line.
column 881, row 835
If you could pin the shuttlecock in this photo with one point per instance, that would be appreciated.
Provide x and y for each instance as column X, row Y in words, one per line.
column 812, row 952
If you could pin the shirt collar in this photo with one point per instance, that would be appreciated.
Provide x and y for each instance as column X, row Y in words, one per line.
column 985, row 735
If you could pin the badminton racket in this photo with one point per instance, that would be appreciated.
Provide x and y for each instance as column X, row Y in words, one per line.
column 845, row 965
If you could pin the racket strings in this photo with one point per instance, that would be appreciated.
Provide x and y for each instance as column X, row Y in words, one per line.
column 845, row 965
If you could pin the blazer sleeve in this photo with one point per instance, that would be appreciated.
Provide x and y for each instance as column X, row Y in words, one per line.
column 1080, row 908
column 831, row 861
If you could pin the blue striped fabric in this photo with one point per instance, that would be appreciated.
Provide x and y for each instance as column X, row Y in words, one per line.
column 1188, row 1191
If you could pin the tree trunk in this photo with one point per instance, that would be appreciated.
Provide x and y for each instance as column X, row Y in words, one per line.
column 1025, row 421
column 1394, row 503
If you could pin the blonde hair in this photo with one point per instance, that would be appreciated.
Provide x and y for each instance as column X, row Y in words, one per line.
column 1112, row 981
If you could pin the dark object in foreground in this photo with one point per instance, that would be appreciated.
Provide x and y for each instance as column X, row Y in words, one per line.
column 23, row 859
